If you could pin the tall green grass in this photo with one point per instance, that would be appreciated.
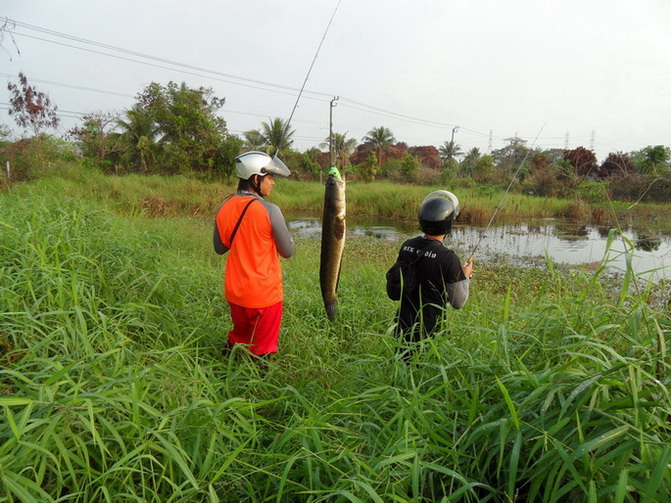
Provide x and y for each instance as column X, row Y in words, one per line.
column 549, row 385
column 182, row 196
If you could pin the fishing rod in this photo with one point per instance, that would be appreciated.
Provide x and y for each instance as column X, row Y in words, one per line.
column 300, row 93
column 498, row 206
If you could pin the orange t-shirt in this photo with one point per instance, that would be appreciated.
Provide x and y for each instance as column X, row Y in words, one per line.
column 252, row 277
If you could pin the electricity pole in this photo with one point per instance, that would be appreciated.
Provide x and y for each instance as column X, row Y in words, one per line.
column 333, row 105
column 454, row 130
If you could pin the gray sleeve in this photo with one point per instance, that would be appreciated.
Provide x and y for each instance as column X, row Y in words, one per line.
column 283, row 240
column 458, row 293
column 219, row 246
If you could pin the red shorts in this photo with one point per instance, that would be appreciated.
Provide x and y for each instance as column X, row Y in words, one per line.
column 258, row 328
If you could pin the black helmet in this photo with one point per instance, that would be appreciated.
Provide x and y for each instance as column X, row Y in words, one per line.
column 437, row 212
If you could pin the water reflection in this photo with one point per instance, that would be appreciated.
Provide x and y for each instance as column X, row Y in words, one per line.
column 648, row 243
column 561, row 242
column 571, row 230
column 584, row 244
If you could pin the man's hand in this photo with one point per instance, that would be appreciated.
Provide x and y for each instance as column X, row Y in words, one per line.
column 468, row 267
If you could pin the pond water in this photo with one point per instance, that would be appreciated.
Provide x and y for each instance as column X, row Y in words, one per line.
column 562, row 242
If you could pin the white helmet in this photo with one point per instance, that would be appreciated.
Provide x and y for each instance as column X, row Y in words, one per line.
column 259, row 163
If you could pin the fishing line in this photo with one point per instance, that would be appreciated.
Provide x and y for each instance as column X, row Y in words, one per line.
column 510, row 185
column 312, row 64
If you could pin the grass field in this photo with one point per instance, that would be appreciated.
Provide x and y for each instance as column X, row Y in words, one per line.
column 550, row 385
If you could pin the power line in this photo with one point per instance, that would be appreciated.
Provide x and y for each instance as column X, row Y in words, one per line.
column 269, row 85
column 158, row 62
column 71, row 86
column 228, row 81
column 141, row 55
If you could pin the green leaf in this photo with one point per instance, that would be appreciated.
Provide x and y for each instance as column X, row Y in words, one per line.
column 509, row 402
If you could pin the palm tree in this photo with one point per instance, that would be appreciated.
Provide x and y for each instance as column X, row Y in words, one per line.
column 471, row 160
column 381, row 140
column 473, row 154
column 342, row 149
column 449, row 150
column 254, row 140
column 138, row 135
column 277, row 135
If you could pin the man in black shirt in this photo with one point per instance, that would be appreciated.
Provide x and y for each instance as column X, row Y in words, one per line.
column 441, row 278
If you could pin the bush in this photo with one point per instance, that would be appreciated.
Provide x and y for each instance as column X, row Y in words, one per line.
column 31, row 158
column 643, row 187
column 542, row 182
column 591, row 192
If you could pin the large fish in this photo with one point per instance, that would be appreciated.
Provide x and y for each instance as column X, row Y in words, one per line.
column 333, row 240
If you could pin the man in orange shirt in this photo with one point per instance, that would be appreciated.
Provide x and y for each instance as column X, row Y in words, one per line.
column 255, row 232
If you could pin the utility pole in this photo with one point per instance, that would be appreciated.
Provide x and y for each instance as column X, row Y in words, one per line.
column 454, row 130
column 333, row 105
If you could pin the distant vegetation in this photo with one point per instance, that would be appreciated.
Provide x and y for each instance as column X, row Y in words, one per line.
column 173, row 129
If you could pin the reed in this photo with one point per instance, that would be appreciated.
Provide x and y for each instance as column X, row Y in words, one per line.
column 550, row 385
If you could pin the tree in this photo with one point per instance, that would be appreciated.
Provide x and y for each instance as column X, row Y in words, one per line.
column 277, row 136
column 308, row 164
column 342, row 149
column 428, row 156
column 189, row 131
column 470, row 161
column 380, row 140
column 96, row 135
column 583, row 162
column 229, row 149
column 616, row 164
column 410, row 166
column 138, row 138
column 368, row 169
column 449, row 150
column 554, row 154
column 655, row 158
column 482, row 167
column 254, row 140
column 31, row 108
column 512, row 155
column 539, row 161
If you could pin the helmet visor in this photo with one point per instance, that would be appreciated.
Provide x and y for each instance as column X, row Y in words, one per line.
column 276, row 167
column 449, row 196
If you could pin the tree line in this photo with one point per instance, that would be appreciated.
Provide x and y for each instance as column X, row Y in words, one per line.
column 173, row 129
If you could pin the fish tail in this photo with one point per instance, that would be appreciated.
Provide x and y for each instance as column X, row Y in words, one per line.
column 331, row 309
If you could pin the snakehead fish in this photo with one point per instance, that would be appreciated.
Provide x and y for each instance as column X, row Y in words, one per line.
column 333, row 240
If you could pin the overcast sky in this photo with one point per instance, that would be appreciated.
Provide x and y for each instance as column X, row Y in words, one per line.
column 592, row 73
